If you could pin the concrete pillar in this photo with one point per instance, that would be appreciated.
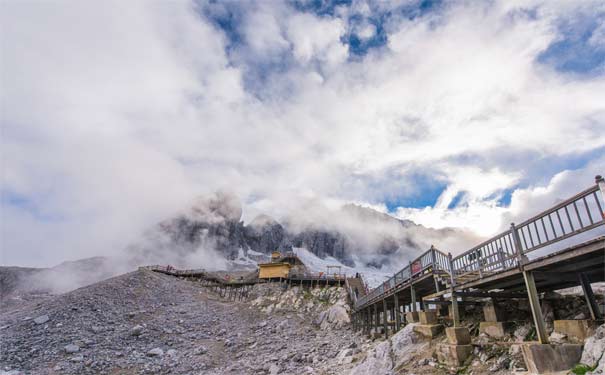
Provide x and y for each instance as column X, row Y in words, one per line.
column 492, row 313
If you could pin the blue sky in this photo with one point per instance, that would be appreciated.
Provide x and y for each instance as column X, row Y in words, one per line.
column 448, row 113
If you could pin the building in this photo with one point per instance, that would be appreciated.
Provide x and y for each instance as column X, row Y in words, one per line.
column 281, row 266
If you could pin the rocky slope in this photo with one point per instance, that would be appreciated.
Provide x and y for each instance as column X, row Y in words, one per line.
column 144, row 322
column 20, row 285
column 148, row 323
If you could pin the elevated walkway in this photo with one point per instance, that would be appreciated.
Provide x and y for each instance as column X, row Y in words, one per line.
column 561, row 247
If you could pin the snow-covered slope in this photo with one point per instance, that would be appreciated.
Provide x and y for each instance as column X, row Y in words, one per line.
column 372, row 276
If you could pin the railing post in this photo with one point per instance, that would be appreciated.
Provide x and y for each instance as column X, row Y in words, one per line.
column 433, row 257
column 600, row 181
column 517, row 242
column 451, row 267
column 501, row 258
column 478, row 261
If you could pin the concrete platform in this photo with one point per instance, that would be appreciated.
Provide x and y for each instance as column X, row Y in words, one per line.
column 428, row 317
column 494, row 329
column 411, row 316
column 453, row 355
column 458, row 335
column 576, row 330
column 548, row 358
column 492, row 313
column 428, row 330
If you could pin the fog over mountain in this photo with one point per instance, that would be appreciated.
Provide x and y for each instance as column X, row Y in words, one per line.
column 211, row 232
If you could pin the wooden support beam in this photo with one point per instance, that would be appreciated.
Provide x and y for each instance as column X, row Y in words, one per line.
column 384, row 318
column 397, row 313
column 455, row 312
column 437, row 287
column 534, row 303
column 449, row 302
column 589, row 295
column 413, row 294
column 376, row 318
column 501, row 295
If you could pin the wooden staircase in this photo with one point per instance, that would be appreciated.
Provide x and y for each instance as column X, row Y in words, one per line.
column 356, row 287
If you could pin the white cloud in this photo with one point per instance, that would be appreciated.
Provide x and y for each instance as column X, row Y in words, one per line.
column 115, row 115
column 317, row 38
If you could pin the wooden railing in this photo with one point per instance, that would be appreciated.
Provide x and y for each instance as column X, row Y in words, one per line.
column 578, row 214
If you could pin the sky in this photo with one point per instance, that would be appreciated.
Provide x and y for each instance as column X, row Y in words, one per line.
column 467, row 114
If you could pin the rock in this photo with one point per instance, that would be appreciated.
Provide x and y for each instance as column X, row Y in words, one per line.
column 201, row 350
column 137, row 330
column 171, row 353
column 274, row 369
column 77, row 358
column 41, row 319
column 521, row 332
column 155, row 352
column 423, row 362
column 338, row 315
column 557, row 338
column 71, row 348
column 514, row 349
column 580, row 316
column 594, row 347
column 377, row 362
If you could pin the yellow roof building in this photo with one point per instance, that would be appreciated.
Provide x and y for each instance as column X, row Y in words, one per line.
column 273, row 270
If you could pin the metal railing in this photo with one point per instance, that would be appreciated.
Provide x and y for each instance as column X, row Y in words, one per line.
column 578, row 214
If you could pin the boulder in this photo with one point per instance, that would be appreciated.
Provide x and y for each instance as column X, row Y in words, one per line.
column 41, row 319
column 71, row 348
column 594, row 347
column 377, row 362
column 155, row 352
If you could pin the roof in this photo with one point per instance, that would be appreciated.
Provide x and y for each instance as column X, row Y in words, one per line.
column 274, row 264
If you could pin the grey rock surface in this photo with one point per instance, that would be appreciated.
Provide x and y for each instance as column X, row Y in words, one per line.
column 186, row 329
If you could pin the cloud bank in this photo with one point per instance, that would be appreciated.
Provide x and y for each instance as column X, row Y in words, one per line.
column 116, row 114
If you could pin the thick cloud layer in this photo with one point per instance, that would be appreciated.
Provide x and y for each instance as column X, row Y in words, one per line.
column 115, row 114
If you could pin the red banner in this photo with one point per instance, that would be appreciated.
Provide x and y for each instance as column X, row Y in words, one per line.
column 416, row 267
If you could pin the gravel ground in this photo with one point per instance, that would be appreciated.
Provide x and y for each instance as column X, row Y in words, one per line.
column 147, row 323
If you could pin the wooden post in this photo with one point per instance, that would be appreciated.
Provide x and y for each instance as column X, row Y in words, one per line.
column 478, row 261
column 454, row 298
column 413, row 293
column 534, row 303
column 376, row 318
column 518, row 247
column 501, row 258
column 385, row 319
column 589, row 295
column 601, row 183
column 397, row 313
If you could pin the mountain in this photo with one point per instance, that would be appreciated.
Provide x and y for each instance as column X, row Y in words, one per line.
column 211, row 232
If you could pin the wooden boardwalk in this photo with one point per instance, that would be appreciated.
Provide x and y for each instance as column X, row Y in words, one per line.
column 561, row 247
column 236, row 288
